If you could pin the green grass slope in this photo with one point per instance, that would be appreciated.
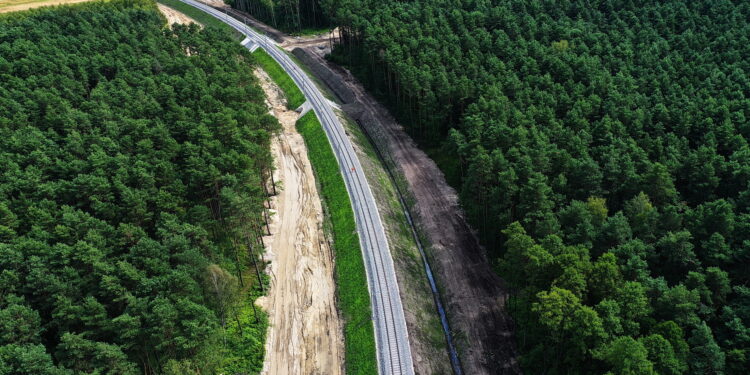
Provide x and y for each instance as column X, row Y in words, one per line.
column 294, row 96
column 354, row 298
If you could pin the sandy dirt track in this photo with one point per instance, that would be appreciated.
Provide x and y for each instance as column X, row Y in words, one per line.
column 174, row 16
column 304, row 334
column 214, row 3
column 18, row 5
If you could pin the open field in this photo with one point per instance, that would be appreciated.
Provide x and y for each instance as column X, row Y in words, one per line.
column 7, row 6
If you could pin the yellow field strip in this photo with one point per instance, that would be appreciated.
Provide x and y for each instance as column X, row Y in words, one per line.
column 7, row 6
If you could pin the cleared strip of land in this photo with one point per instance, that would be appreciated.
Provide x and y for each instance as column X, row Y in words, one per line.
column 304, row 334
column 174, row 16
column 353, row 294
column 7, row 6
column 350, row 269
column 200, row 16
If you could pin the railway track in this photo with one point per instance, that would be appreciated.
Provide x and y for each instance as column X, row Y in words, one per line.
column 391, row 335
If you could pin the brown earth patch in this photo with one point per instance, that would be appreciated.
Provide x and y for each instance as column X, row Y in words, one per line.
column 175, row 16
column 305, row 334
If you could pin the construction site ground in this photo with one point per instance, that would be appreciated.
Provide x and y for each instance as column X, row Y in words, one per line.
column 173, row 16
column 305, row 333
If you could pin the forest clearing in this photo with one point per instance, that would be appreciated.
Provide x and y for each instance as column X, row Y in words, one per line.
column 174, row 16
column 304, row 333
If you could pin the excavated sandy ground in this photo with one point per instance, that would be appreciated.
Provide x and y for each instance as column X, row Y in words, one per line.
column 214, row 3
column 304, row 334
column 16, row 5
column 174, row 16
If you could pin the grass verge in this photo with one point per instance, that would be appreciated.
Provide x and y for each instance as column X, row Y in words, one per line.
column 201, row 16
column 294, row 97
column 354, row 297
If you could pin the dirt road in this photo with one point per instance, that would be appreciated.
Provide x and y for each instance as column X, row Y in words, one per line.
column 304, row 334
column 215, row 3
column 473, row 293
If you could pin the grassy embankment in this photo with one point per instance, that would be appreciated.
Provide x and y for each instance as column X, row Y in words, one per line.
column 294, row 97
column 201, row 16
column 354, row 298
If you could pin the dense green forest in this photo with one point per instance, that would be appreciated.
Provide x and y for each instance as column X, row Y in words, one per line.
column 601, row 149
column 294, row 16
column 131, row 194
